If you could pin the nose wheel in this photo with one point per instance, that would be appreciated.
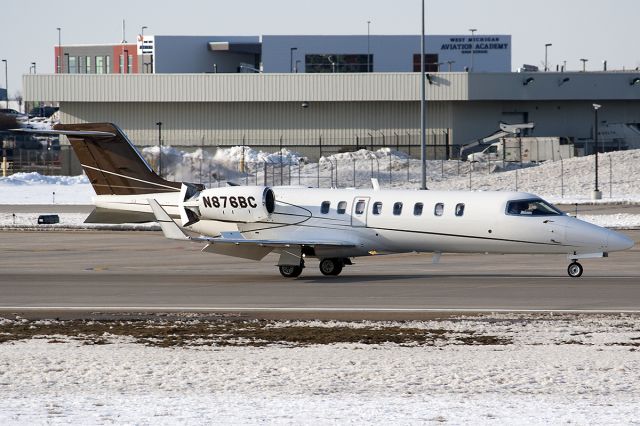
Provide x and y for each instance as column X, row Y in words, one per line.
column 575, row 270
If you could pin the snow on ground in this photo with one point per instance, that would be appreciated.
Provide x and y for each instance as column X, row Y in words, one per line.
column 578, row 369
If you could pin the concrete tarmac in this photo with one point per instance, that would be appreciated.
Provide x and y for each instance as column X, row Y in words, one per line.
column 142, row 271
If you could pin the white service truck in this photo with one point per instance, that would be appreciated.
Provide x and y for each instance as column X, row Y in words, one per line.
column 526, row 150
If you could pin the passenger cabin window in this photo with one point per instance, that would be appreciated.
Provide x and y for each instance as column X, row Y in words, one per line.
column 417, row 209
column 459, row 209
column 360, row 205
column 397, row 209
column 439, row 209
column 324, row 207
column 377, row 208
column 342, row 207
column 533, row 207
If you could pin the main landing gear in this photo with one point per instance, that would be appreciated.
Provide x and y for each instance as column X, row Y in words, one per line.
column 575, row 269
column 329, row 266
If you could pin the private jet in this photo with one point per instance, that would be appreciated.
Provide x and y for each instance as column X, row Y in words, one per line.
column 331, row 225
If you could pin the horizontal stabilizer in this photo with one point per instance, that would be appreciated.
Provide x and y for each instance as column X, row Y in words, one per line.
column 169, row 227
column 77, row 133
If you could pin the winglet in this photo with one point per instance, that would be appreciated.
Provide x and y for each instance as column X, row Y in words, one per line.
column 169, row 227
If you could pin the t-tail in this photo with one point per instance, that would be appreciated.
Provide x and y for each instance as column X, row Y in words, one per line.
column 111, row 162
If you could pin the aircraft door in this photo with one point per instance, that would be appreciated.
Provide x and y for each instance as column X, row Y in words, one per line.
column 359, row 211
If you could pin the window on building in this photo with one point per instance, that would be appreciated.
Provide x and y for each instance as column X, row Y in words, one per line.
column 342, row 207
column 417, row 209
column 121, row 64
column 430, row 62
column 99, row 64
column 331, row 62
column 73, row 65
column 377, row 208
column 360, row 206
column 459, row 209
column 325, row 206
column 129, row 64
column 438, row 209
column 107, row 67
column 397, row 208
column 88, row 64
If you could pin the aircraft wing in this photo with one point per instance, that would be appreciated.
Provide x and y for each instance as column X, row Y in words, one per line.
column 233, row 243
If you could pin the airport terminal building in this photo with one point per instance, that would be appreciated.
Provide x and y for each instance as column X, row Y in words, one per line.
column 338, row 92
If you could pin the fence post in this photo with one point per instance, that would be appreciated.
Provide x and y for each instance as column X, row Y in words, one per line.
column 354, row 172
column 265, row 173
column 561, row 177
column 390, row 177
column 610, row 176
column 409, row 169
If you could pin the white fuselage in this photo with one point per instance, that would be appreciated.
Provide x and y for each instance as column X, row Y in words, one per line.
column 482, row 224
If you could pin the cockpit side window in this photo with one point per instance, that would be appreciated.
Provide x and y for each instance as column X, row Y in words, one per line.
column 533, row 207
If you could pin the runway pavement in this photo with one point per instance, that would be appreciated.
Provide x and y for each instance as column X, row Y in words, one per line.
column 139, row 271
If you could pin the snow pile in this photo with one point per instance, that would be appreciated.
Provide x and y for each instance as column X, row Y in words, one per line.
column 35, row 178
column 225, row 164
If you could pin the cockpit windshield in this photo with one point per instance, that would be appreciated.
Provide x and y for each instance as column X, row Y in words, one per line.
column 532, row 207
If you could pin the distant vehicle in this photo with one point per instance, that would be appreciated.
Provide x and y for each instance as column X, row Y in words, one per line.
column 506, row 130
column 12, row 112
column 48, row 219
column 526, row 150
column 45, row 111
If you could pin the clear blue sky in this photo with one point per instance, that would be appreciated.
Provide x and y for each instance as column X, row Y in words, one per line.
column 577, row 28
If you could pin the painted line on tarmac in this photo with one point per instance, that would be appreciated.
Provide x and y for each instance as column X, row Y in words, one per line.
column 309, row 309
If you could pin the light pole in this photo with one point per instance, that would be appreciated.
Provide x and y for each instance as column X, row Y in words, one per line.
column 6, row 81
column 368, row 46
column 333, row 64
column 473, row 31
column 584, row 64
column 59, row 70
column 159, row 124
column 597, row 195
column 296, row 66
column 546, row 49
column 423, row 123
column 291, row 58
column 450, row 63
column 33, row 64
column 142, row 31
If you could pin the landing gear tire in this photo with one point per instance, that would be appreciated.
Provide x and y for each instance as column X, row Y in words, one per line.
column 290, row 271
column 331, row 266
column 575, row 270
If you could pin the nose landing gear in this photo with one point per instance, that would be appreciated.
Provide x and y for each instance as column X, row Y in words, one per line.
column 575, row 269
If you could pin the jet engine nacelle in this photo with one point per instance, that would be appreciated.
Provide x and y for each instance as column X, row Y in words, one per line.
column 243, row 204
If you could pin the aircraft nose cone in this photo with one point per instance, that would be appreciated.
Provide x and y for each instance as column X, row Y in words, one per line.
column 619, row 242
